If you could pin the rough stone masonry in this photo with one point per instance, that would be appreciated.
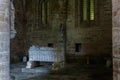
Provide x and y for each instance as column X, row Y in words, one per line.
column 4, row 39
column 116, row 39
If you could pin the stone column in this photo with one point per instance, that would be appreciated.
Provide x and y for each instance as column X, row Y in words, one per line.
column 116, row 38
column 4, row 39
column 63, row 18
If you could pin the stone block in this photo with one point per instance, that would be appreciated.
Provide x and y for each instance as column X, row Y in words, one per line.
column 35, row 70
column 115, row 75
column 30, row 64
column 4, row 36
column 4, row 46
column 4, row 27
column 4, row 1
column 4, row 57
column 2, row 17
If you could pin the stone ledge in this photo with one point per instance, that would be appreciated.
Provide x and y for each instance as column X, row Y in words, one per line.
column 42, row 69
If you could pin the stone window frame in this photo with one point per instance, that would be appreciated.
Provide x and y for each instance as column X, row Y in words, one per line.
column 44, row 11
column 86, row 7
column 79, row 14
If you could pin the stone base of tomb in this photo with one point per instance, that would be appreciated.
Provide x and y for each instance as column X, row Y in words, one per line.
column 57, row 65
column 30, row 64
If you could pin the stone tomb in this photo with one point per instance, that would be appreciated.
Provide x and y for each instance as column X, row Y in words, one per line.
column 45, row 54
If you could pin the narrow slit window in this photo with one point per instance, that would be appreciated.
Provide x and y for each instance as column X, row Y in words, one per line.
column 43, row 12
column 88, row 10
column 39, row 12
column 46, row 9
column 92, row 10
column 85, row 10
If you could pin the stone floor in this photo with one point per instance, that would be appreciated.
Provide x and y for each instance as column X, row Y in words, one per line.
column 70, row 72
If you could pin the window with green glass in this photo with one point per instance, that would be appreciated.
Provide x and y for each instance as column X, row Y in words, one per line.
column 92, row 10
column 88, row 10
column 85, row 10
column 44, row 11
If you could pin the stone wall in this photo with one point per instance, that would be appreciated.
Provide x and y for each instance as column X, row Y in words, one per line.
column 95, row 38
column 4, row 40
column 116, row 40
column 18, row 47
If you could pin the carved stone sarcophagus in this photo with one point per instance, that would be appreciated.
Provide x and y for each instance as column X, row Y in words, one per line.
column 44, row 54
